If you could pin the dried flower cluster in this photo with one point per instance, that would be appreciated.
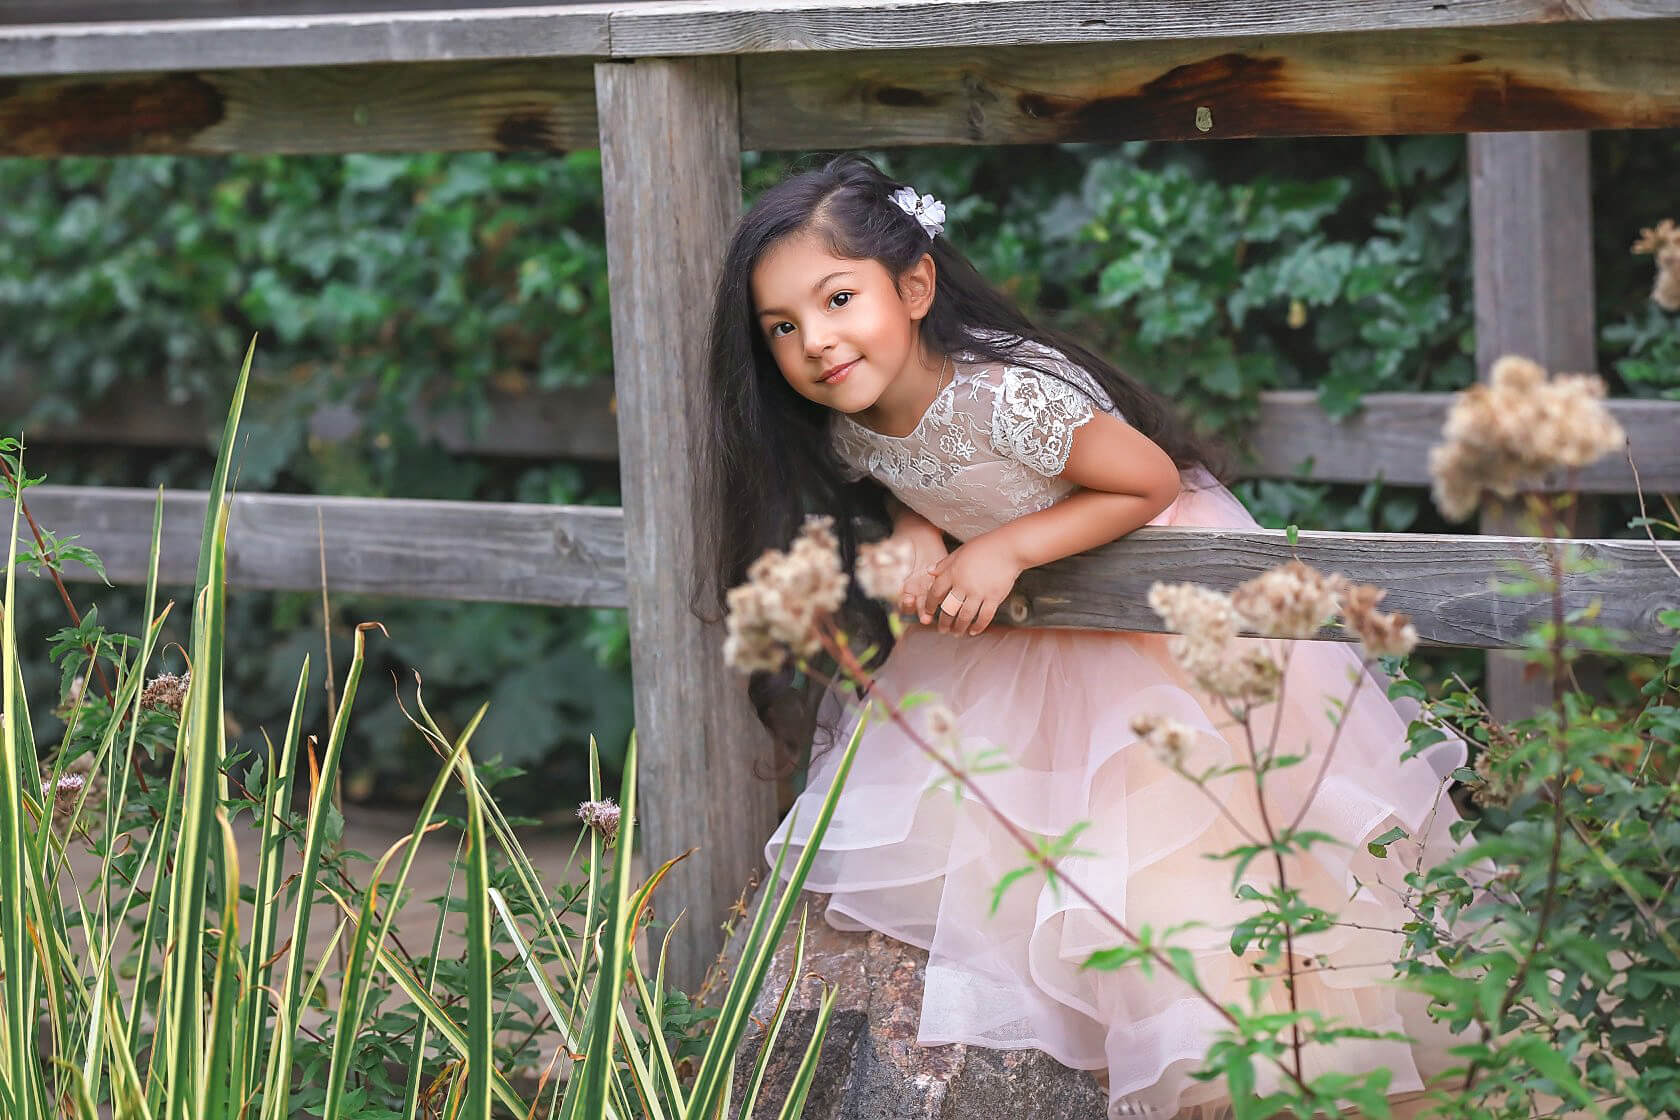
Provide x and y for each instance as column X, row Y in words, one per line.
column 1167, row 737
column 1206, row 622
column 1382, row 635
column 1292, row 600
column 1495, row 785
column 1517, row 428
column 166, row 690
column 78, row 783
column 1663, row 243
column 882, row 568
column 602, row 816
column 785, row 596
column 940, row 723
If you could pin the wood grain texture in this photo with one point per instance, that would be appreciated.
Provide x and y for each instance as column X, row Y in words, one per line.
column 1397, row 81
column 320, row 39
column 631, row 29
column 759, row 26
column 1391, row 434
column 543, row 105
column 670, row 163
column 1446, row 583
column 575, row 556
column 1531, row 234
column 571, row 423
column 474, row 551
column 1388, row 438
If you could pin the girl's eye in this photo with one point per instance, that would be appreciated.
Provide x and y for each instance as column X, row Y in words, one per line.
column 839, row 299
column 776, row 329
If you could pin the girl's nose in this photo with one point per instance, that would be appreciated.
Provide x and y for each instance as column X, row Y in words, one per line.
column 818, row 342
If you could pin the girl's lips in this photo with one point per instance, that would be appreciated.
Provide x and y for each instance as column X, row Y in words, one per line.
column 838, row 373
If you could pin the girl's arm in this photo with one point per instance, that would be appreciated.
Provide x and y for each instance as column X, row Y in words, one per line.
column 1125, row 480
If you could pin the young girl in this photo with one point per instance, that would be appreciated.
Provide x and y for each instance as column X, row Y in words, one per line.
column 861, row 367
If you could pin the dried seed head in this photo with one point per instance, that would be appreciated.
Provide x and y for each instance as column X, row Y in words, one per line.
column 785, row 597
column 882, row 568
column 1167, row 737
column 78, row 784
column 602, row 816
column 1207, row 623
column 1663, row 243
column 166, row 690
column 1507, row 433
column 940, row 723
column 1289, row 601
column 1382, row 635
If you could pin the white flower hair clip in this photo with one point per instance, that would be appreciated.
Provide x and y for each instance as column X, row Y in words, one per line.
column 928, row 211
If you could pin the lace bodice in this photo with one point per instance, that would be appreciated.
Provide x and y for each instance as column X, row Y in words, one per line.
column 990, row 446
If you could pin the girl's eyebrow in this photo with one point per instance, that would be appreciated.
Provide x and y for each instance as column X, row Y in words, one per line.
column 817, row 287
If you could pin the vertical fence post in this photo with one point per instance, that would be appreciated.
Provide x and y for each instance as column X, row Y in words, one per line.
column 1531, row 233
column 671, row 165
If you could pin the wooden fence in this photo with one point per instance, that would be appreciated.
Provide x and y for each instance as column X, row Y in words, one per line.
column 673, row 90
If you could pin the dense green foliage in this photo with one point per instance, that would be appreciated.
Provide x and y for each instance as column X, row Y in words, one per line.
column 1214, row 271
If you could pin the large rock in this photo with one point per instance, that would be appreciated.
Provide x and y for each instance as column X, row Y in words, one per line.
column 871, row 1067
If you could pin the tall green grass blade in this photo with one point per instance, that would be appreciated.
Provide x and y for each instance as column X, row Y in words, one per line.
column 265, row 918
column 717, row 1066
column 422, row 1026
column 774, row 1029
column 23, row 1083
column 218, row 478
column 278, row 1081
column 480, row 1063
column 597, row 1067
column 358, row 972
column 220, row 1087
column 794, row 1106
column 200, row 741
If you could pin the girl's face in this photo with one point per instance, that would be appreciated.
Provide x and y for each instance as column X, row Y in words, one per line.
column 840, row 330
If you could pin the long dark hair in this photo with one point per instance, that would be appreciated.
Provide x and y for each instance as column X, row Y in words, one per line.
column 767, row 461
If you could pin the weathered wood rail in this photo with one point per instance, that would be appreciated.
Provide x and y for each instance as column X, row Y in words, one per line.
column 673, row 90
column 574, row 556
column 1388, row 438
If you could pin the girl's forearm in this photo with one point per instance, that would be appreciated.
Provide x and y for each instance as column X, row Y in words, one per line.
column 1082, row 520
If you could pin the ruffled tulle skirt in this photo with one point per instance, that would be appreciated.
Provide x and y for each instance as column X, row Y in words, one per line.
column 907, row 855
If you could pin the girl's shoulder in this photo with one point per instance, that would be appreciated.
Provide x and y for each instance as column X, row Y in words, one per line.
column 1030, row 373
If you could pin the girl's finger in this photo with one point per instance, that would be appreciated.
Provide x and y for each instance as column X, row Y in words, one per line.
column 937, row 589
column 984, row 619
column 949, row 608
column 965, row 617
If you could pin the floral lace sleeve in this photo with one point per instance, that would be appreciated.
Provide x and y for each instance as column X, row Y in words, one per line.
column 850, row 452
column 1036, row 413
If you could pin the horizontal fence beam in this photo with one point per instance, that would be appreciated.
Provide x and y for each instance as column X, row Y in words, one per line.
column 574, row 556
column 519, row 105
column 1574, row 76
column 1388, row 438
column 279, row 35
column 480, row 551
column 1558, row 75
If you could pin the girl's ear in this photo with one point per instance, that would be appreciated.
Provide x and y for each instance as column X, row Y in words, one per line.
column 918, row 284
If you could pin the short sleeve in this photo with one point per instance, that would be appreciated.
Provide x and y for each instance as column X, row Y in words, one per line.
column 850, row 453
column 1035, row 416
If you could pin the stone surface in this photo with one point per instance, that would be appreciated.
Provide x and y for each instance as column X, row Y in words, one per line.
column 871, row 1067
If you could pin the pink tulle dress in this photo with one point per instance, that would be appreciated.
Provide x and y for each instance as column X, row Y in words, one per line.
column 906, row 857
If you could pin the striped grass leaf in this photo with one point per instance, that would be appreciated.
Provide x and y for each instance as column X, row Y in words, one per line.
column 794, row 1106
column 23, row 1089
column 481, row 1068
column 774, row 1029
column 717, row 1067
column 277, row 1091
column 369, row 935
column 265, row 918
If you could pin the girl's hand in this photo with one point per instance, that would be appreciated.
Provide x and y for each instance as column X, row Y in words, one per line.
column 970, row 584
column 927, row 544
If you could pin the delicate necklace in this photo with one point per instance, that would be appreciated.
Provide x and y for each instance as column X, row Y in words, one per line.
column 939, row 386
